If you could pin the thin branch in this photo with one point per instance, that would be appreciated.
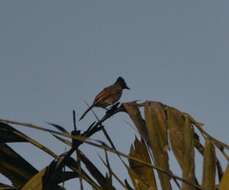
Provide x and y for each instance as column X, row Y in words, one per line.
column 74, row 119
column 115, row 176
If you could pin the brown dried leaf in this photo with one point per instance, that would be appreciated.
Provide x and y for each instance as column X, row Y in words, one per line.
column 135, row 115
column 224, row 184
column 137, row 182
column 36, row 182
column 209, row 166
column 48, row 178
column 181, row 135
column 158, row 140
column 176, row 133
column 188, row 171
column 144, row 173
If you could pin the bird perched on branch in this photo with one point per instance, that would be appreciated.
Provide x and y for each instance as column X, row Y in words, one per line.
column 108, row 96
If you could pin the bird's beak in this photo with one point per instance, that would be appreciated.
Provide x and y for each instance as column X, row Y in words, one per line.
column 127, row 88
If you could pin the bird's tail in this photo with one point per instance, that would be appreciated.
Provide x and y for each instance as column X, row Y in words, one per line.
column 88, row 109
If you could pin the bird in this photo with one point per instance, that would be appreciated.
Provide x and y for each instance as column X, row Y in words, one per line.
column 108, row 96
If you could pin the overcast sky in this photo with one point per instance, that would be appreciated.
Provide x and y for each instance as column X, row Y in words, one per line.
column 54, row 55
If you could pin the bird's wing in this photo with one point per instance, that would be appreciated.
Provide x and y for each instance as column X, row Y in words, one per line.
column 106, row 94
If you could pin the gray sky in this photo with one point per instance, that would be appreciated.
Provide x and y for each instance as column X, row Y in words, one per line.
column 56, row 54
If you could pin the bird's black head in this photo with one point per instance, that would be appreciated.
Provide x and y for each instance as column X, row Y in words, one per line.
column 122, row 83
